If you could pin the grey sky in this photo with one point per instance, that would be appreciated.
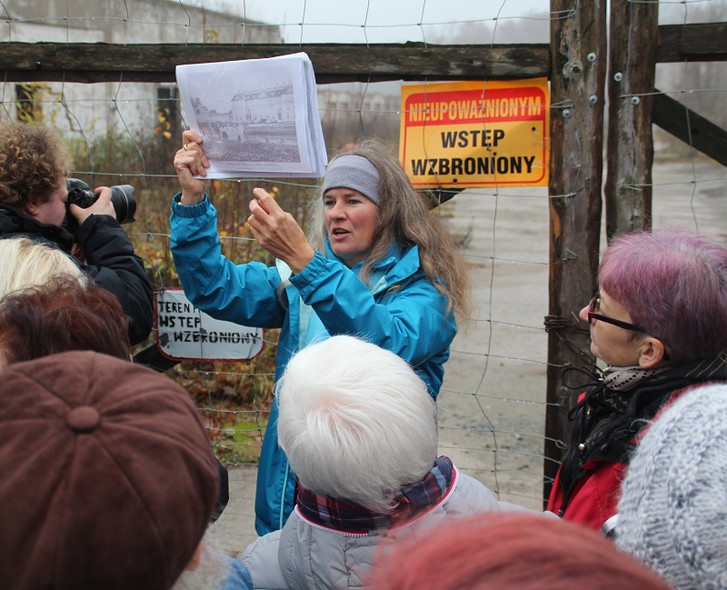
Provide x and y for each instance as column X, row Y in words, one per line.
column 442, row 21
column 384, row 21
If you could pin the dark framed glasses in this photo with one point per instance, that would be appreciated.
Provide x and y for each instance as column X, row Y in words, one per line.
column 593, row 314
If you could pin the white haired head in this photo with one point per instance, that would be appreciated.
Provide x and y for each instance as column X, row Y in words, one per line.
column 25, row 263
column 356, row 421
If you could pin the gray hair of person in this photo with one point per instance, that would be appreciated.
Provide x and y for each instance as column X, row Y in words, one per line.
column 356, row 422
column 25, row 263
column 672, row 513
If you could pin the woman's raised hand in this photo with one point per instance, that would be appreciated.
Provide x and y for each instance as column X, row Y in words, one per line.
column 277, row 231
column 191, row 161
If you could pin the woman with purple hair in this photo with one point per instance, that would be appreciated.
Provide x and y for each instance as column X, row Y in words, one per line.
column 659, row 323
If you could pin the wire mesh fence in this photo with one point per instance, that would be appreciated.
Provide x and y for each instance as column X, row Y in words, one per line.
column 492, row 404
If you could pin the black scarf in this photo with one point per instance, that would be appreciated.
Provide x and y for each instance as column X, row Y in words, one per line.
column 619, row 405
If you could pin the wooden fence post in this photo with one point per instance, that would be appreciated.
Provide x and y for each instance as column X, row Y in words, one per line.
column 578, row 67
column 633, row 46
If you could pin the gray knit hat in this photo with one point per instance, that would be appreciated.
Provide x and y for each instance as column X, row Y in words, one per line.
column 356, row 172
column 673, row 508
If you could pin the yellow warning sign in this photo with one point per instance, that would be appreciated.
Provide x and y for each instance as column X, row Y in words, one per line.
column 475, row 134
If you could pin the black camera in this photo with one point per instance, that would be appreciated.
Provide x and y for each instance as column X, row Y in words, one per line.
column 79, row 193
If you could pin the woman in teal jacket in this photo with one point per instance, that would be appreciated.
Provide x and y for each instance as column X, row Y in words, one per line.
column 377, row 266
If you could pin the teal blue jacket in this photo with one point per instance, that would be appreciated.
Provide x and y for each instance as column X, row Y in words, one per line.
column 402, row 312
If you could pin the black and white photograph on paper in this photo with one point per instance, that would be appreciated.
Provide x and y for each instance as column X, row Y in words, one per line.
column 257, row 117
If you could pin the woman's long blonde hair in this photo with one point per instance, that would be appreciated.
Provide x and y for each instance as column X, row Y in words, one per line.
column 404, row 218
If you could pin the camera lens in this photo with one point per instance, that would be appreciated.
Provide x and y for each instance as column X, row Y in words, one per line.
column 122, row 198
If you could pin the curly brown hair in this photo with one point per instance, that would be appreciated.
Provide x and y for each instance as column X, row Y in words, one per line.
column 33, row 160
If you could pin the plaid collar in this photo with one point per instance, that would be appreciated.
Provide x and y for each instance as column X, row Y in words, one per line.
column 413, row 499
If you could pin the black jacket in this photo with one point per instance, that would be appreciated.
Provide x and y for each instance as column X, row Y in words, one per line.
column 110, row 260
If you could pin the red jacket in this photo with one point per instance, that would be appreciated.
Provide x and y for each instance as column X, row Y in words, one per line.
column 595, row 495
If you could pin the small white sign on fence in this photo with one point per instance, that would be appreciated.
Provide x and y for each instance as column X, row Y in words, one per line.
column 184, row 332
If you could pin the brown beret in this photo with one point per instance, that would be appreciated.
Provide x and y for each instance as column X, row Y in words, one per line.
column 107, row 477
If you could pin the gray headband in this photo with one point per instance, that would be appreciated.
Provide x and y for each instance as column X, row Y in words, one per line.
column 354, row 172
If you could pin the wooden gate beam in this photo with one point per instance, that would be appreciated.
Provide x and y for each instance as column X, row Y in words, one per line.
column 693, row 129
column 156, row 62
column 694, row 42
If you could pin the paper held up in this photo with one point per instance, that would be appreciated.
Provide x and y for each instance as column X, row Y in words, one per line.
column 258, row 117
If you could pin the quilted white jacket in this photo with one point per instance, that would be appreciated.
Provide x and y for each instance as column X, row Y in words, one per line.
column 304, row 555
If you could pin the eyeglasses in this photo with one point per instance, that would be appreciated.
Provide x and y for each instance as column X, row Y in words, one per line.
column 595, row 305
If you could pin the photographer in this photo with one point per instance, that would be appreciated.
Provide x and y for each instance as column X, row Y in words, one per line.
column 34, row 163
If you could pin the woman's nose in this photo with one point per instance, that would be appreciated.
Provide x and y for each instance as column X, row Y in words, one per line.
column 336, row 211
column 583, row 314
